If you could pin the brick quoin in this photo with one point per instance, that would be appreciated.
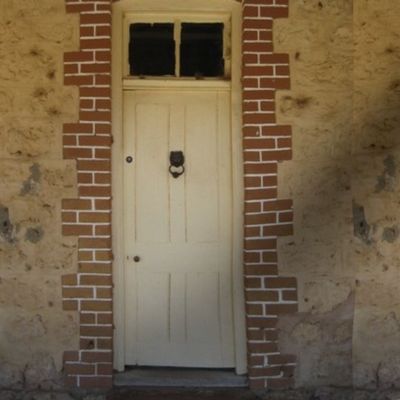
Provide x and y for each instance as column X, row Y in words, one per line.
column 265, row 145
column 88, row 141
column 88, row 216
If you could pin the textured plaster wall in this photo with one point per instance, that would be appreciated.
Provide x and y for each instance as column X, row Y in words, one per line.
column 34, row 331
column 344, row 178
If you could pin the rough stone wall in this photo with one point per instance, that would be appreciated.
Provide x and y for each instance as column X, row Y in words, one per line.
column 343, row 179
column 34, row 103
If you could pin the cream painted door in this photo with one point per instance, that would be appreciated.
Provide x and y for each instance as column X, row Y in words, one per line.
column 179, row 295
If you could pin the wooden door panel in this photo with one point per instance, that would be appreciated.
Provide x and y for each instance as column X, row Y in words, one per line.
column 152, row 181
column 181, row 290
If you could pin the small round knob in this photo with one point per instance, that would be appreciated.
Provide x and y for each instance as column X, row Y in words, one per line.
column 136, row 258
column 129, row 159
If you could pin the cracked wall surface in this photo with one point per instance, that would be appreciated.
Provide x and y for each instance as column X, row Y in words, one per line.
column 344, row 181
column 34, row 103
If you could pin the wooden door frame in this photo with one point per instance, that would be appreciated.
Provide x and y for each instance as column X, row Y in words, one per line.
column 184, row 6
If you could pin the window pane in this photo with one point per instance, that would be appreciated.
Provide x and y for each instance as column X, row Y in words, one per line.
column 202, row 50
column 152, row 49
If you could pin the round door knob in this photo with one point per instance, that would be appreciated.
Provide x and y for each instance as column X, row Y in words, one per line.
column 129, row 159
column 136, row 258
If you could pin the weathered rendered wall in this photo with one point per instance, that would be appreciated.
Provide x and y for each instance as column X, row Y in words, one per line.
column 344, row 108
column 34, row 103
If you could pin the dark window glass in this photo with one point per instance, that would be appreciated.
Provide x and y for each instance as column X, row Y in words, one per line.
column 202, row 50
column 152, row 49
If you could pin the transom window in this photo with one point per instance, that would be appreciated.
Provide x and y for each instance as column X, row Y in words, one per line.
column 184, row 48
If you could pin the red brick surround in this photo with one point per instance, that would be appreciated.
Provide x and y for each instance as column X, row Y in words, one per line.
column 89, row 216
column 265, row 144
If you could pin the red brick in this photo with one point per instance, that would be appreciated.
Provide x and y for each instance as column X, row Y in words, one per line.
column 278, row 230
column 259, row 219
column 281, row 282
column 252, row 257
column 96, row 331
column 70, row 305
column 92, row 268
column 266, row 371
column 278, row 205
column 262, row 295
column 250, row 11
column 86, row 31
column 71, row 356
column 252, row 156
column 253, row 283
column 261, row 143
column 281, row 359
column 279, row 155
column 95, row 18
column 76, row 152
column 97, row 356
column 274, row 58
column 96, row 280
column 69, row 280
column 85, row 178
column 286, row 216
column 261, row 194
column 277, row 309
column 260, row 244
column 94, row 92
column 68, row 217
column 105, row 369
column 103, row 55
column 94, row 217
column 262, row 347
column 78, row 56
column 77, row 128
column 269, row 270
column 257, row 47
column 106, row 344
column 76, row 204
column 77, row 293
column 79, row 369
column 79, row 7
column 103, row 141
column 254, row 309
column 95, row 191
column 87, row 319
column 249, row 23
column 260, row 94
column 78, row 80
column 95, row 44
column 95, row 116
column 252, row 207
column 271, row 180
column 261, row 168
column 104, row 319
column 289, row 295
column 274, row 12
column 270, row 256
column 277, row 130
column 94, row 243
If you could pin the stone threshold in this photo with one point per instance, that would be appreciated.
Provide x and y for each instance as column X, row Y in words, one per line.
column 179, row 377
